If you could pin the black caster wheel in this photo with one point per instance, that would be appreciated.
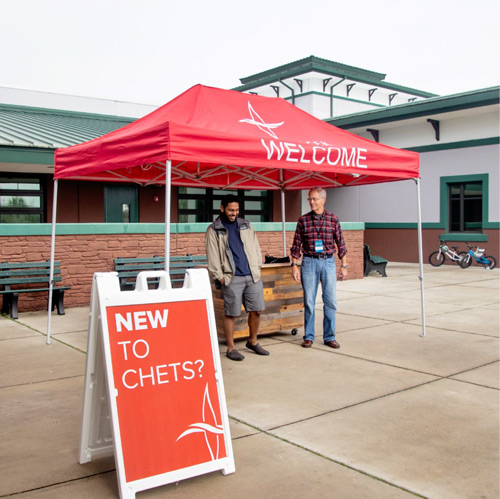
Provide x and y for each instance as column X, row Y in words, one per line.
column 294, row 331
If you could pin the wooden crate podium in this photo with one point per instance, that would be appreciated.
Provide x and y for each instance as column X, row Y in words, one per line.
column 283, row 299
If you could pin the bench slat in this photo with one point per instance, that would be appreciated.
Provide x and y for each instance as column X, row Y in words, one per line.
column 42, row 272
column 377, row 259
column 142, row 266
column 128, row 268
column 26, row 280
column 138, row 260
column 33, row 290
column 27, row 265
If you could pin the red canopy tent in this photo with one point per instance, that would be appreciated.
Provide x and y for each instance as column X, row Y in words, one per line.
column 209, row 137
column 223, row 138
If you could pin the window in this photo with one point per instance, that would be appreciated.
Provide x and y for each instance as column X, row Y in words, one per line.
column 203, row 205
column 193, row 204
column 466, row 207
column 21, row 200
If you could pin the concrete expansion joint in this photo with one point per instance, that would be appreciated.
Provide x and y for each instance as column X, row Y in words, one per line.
column 64, row 482
column 345, row 465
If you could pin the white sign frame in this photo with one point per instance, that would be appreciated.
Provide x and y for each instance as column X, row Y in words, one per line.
column 100, row 433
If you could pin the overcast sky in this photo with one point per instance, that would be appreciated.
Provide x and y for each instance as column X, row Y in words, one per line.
column 149, row 51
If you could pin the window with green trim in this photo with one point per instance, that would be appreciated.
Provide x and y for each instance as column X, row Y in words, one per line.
column 203, row 205
column 466, row 207
column 21, row 200
column 464, row 203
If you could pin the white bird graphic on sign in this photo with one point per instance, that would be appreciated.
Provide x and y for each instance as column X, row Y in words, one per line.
column 205, row 428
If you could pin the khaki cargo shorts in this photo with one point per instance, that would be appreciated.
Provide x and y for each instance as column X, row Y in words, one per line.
column 242, row 290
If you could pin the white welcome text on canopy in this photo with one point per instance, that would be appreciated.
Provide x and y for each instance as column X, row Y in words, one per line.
column 317, row 154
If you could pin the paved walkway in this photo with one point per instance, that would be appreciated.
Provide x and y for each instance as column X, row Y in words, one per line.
column 389, row 415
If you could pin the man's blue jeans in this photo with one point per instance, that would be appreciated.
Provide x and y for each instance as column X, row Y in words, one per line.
column 313, row 271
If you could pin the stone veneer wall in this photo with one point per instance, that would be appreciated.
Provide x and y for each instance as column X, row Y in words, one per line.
column 83, row 254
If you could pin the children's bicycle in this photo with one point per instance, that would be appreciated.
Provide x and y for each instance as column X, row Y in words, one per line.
column 437, row 258
column 487, row 261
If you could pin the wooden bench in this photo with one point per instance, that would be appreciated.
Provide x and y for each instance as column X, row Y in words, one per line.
column 128, row 268
column 373, row 262
column 29, row 277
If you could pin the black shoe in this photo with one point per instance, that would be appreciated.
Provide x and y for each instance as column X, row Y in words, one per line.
column 257, row 349
column 234, row 355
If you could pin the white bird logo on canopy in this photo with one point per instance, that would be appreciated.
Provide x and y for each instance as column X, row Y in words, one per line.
column 260, row 123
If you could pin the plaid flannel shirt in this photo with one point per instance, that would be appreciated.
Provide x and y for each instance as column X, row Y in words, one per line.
column 327, row 229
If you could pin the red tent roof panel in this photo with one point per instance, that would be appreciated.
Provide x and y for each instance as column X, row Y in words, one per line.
column 227, row 139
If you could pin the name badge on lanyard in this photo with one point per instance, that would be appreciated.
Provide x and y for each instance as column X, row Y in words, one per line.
column 318, row 246
column 318, row 243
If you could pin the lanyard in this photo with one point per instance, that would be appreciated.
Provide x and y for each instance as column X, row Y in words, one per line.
column 322, row 221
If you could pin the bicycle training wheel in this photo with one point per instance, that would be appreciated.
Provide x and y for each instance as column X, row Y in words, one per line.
column 466, row 261
column 492, row 264
column 436, row 258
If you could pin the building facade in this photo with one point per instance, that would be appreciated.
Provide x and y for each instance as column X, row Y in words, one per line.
column 457, row 137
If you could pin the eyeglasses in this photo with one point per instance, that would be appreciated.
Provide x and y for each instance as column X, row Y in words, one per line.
column 314, row 199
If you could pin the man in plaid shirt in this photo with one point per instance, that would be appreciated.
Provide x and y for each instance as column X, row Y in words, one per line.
column 316, row 236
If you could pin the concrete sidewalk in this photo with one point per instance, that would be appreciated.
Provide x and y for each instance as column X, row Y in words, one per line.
column 389, row 415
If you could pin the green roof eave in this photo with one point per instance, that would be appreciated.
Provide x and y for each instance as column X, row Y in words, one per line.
column 27, row 155
column 324, row 66
column 311, row 63
column 437, row 105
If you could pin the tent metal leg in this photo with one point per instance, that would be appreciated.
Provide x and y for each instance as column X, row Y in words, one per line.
column 420, row 255
column 283, row 220
column 168, row 179
column 52, row 253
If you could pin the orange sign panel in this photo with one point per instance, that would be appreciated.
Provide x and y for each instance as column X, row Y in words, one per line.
column 167, row 398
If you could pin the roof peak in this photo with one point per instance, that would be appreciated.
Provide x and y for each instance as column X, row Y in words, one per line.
column 313, row 63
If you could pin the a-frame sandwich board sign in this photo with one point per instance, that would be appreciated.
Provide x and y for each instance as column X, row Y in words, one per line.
column 154, row 394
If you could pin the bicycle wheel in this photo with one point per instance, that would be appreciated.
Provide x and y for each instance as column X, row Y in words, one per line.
column 436, row 258
column 492, row 264
column 466, row 261
column 462, row 255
